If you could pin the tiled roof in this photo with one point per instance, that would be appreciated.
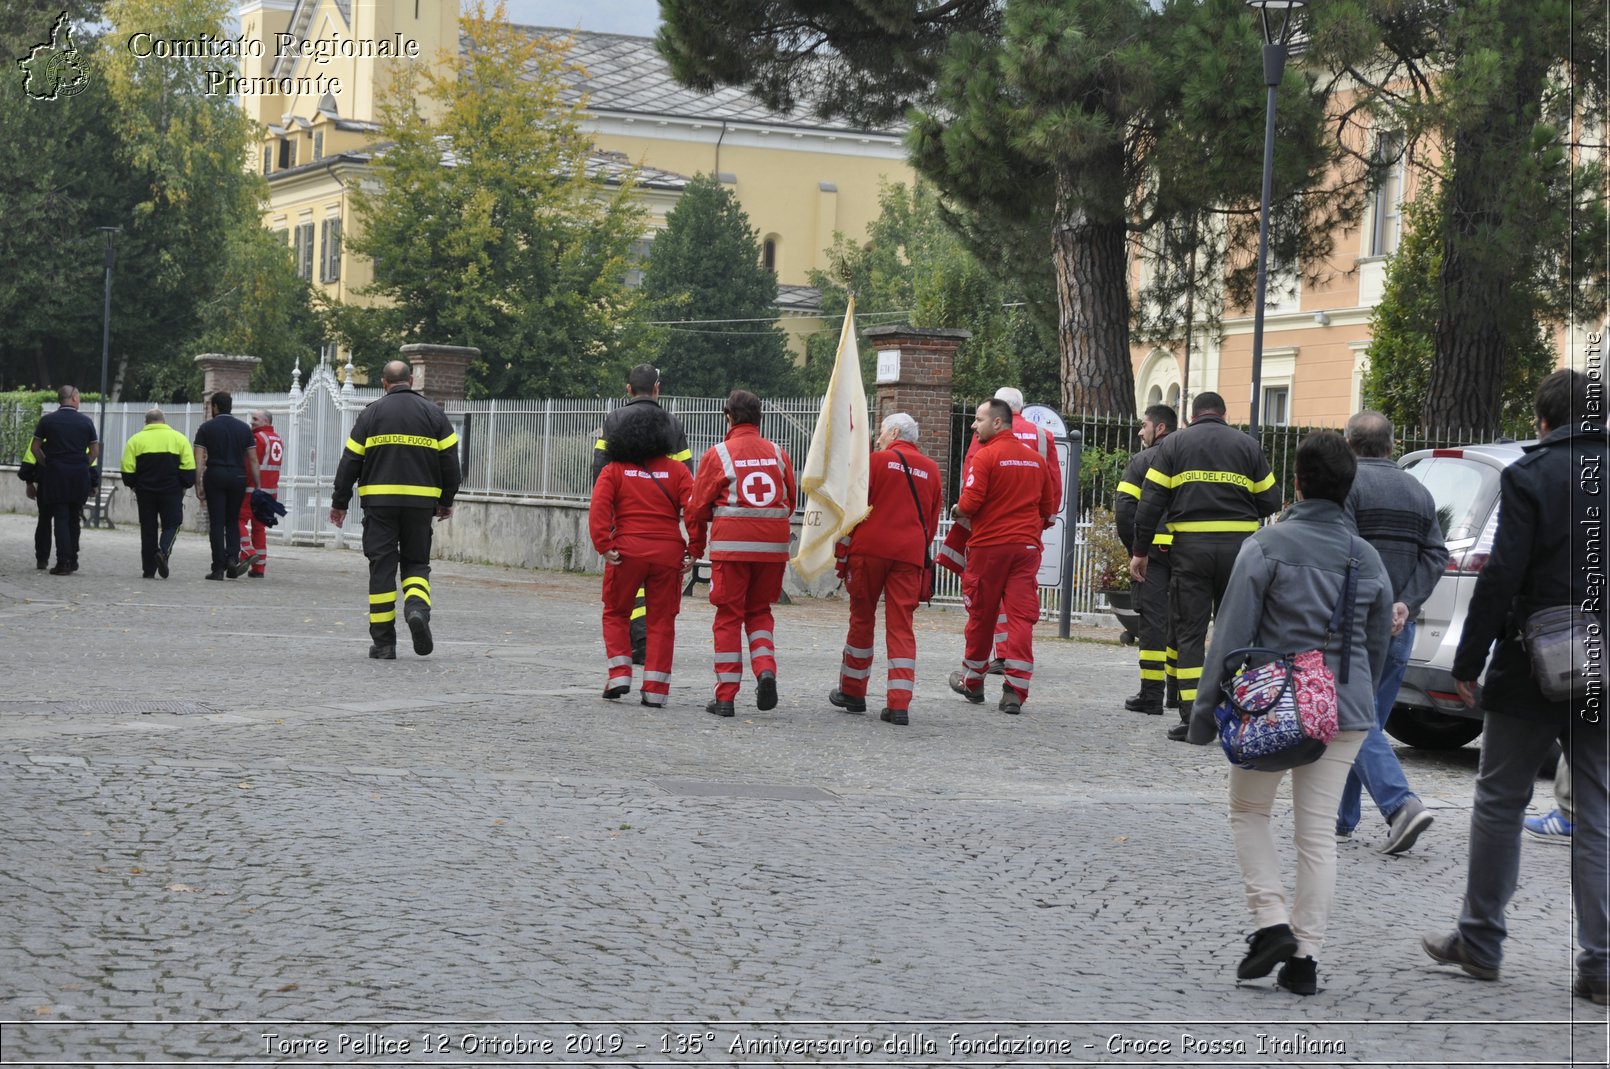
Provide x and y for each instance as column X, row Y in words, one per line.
column 799, row 299
column 611, row 167
column 627, row 75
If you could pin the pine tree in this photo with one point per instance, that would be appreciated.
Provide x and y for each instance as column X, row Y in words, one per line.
column 705, row 265
column 1059, row 129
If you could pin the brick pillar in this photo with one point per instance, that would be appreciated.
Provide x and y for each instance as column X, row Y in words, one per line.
column 439, row 369
column 220, row 371
column 921, row 387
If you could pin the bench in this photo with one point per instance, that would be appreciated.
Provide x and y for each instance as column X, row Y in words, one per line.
column 103, row 496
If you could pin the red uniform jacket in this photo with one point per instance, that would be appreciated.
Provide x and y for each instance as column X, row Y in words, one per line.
column 1036, row 438
column 637, row 509
column 1006, row 494
column 894, row 529
column 743, row 499
column 270, row 457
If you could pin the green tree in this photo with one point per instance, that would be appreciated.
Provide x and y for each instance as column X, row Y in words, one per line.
column 492, row 227
column 1059, row 129
column 917, row 269
column 261, row 307
column 705, row 265
column 1502, row 92
column 1403, row 331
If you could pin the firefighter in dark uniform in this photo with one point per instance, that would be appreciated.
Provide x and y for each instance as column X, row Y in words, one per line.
column 1211, row 484
column 1151, row 597
column 403, row 457
column 643, row 387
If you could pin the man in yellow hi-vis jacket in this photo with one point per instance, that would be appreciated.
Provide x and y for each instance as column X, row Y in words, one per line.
column 1209, row 485
column 403, row 457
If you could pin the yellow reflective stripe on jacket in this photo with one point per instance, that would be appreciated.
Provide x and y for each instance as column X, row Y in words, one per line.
column 1129, row 488
column 1235, row 478
column 419, row 440
column 400, row 489
column 354, row 447
column 1161, row 539
column 600, row 444
column 684, row 455
column 1155, row 476
column 1188, row 526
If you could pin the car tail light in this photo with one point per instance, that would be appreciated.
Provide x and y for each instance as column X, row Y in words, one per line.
column 1467, row 562
column 1454, row 453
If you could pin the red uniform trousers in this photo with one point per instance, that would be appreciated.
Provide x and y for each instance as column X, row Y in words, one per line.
column 1003, row 604
column 662, row 584
column 742, row 592
column 898, row 584
column 253, row 535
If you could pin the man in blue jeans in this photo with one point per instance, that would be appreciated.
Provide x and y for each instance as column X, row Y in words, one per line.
column 1396, row 514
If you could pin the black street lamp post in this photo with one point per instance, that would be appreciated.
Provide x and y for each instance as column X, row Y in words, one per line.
column 1276, row 47
column 111, row 232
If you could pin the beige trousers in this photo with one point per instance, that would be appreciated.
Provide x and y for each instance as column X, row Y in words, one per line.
column 1315, row 791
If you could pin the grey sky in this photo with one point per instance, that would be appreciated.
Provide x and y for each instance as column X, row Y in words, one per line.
column 637, row 17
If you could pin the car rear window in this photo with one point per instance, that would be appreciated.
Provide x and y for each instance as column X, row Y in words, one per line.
column 1464, row 490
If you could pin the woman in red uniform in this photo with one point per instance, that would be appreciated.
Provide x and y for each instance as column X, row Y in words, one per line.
column 636, row 523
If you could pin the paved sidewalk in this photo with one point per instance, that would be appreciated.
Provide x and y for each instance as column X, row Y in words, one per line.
column 222, row 819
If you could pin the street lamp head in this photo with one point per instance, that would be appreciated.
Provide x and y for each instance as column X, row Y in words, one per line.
column 1279, row 29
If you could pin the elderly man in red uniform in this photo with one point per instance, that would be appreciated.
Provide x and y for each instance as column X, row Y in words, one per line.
column 635, row 521
column 887, row 554
column 270, row 457
column 1008, row 498
column 742, row 501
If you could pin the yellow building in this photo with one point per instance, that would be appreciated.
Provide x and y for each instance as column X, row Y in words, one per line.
column 324, row 64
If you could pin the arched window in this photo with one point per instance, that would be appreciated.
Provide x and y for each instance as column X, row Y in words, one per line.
column 768, row 252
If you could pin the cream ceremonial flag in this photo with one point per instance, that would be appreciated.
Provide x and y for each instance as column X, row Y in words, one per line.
column 835, row 476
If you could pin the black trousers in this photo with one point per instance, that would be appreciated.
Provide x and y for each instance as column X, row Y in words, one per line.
column 42, row 529
column 166, row 510
column 1198, row 576
column 1157, row 651
column 62, row 493
column 225, row 491
column 396, row 537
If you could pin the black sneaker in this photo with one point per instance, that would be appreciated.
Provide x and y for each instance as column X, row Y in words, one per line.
column 766, row 692
column 898, row 717
column 162, row 564
column 1266, row 948
column 418, row 619
column 377, row 652
column 616, row 693
column 1300, row 976
column 216, row 575
column 719, row 708
column 844, row 701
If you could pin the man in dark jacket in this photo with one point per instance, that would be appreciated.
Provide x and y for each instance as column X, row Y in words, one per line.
column 68, row 453
column 1151, row 595
column 643, row 387
column 1395, row 513
column 1209, row 486
column 403, row 457
column 1548, row 551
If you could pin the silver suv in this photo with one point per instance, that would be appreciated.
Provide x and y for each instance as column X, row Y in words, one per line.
column 1464, row 484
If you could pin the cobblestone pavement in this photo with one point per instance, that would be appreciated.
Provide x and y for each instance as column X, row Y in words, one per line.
column 222, row 820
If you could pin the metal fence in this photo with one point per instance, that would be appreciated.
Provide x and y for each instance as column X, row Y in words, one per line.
column 545, row 448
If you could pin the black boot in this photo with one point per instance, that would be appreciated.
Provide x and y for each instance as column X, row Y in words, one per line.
column 1149, row 700
column 1267, row 947
column 719, row 708
column 417, row 616
column 1300, row 976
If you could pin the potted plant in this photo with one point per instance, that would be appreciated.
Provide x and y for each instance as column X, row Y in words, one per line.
column 1110, row 566
column 1108, row 557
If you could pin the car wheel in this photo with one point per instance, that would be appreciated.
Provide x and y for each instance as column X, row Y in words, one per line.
column 1428, row 730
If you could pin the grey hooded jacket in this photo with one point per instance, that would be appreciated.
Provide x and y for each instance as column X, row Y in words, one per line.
column 1285, row 585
